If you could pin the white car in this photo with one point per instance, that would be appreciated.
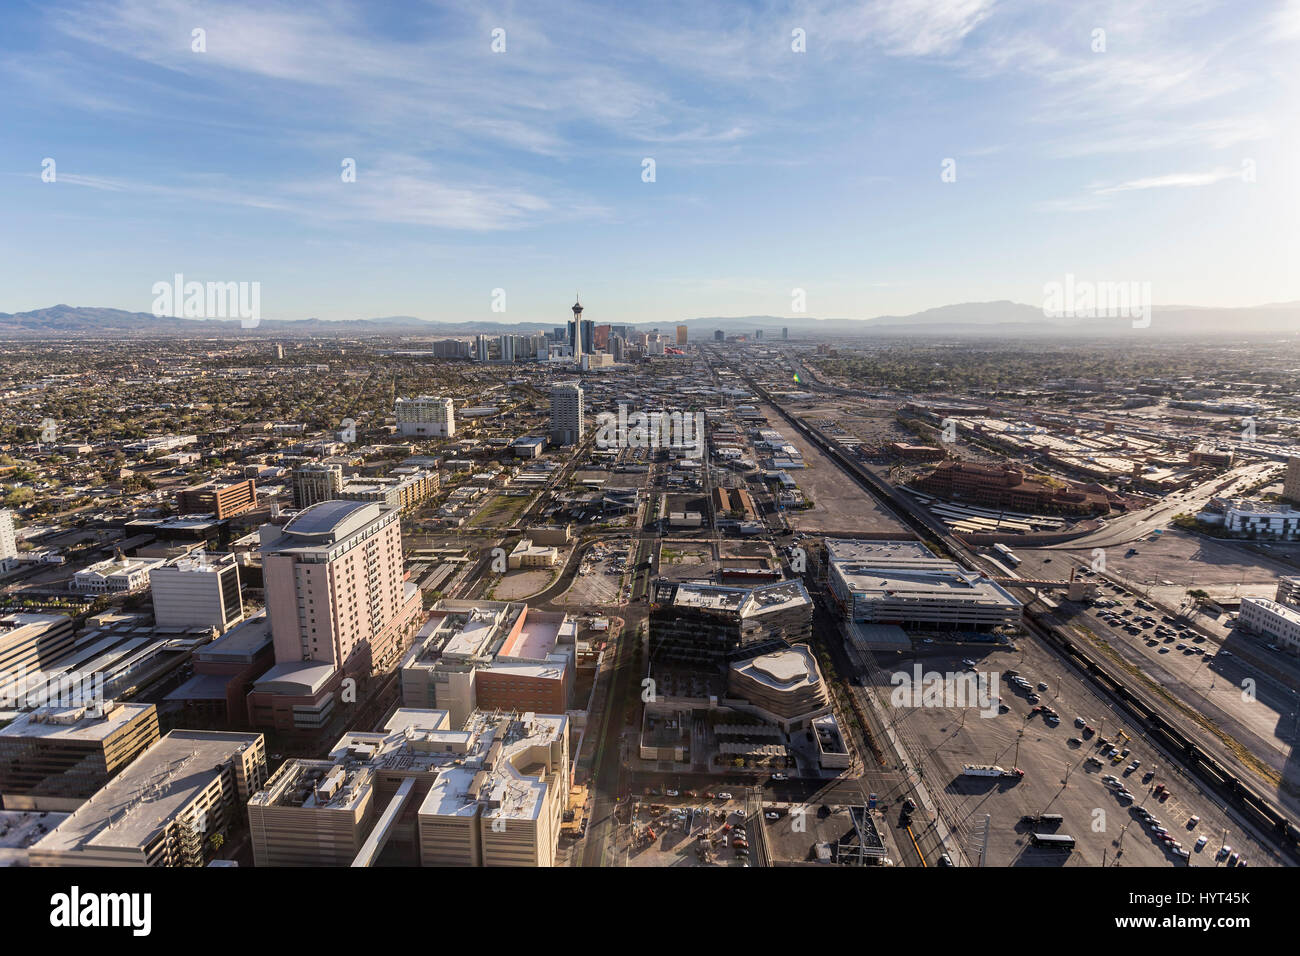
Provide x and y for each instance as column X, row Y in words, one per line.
column 672, row 793
column 780, row 776
column 724, row 795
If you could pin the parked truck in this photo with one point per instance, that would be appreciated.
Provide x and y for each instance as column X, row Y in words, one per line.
column 990, row 770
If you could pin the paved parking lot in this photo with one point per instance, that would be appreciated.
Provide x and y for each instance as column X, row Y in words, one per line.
column 1209, row 685
column 1057, row 779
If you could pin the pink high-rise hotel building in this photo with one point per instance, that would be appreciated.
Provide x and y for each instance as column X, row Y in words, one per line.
column 337, row 606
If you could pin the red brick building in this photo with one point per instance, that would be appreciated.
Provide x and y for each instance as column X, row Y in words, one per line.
column 218, row 500
column 992, row 486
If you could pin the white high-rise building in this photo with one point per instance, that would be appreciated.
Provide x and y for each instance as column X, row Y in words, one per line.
column 566, row 413
column 316, row 481
column 425, row 417
column 197, row 591
column 8, row 543
column 481, row 348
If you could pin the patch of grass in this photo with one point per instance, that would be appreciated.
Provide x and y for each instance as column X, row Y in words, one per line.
column 500, row 510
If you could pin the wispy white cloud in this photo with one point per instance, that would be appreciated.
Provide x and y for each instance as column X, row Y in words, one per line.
column 1171, row 181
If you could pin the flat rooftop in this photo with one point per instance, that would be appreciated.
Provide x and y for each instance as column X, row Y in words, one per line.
column 316, row 785
column 761, row 599
column 950, row 584
column 898, row 554
column 536, row 638
column 302, row 678
column 141, row 799
column 488, row 762
column 1281, row 610
column 73, row 723
column 241, row 642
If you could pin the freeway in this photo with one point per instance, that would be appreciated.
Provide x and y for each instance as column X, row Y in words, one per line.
column 1137, row 525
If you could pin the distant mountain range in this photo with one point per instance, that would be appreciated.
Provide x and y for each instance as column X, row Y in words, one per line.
column 992, row 319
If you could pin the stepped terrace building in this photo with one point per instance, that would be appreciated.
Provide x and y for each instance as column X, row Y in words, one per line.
column 711, row 625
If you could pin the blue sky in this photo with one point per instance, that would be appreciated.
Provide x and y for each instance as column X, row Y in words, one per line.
column 522, row 170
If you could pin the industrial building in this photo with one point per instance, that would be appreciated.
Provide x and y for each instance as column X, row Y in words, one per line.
column 528, row 555
column 1001, row 487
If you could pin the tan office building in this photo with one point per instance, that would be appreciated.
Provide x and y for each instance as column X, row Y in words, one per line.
column 163, row 809
column 1291, row 483
column 312, row 813
column 490, row 793
column 56, row 758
